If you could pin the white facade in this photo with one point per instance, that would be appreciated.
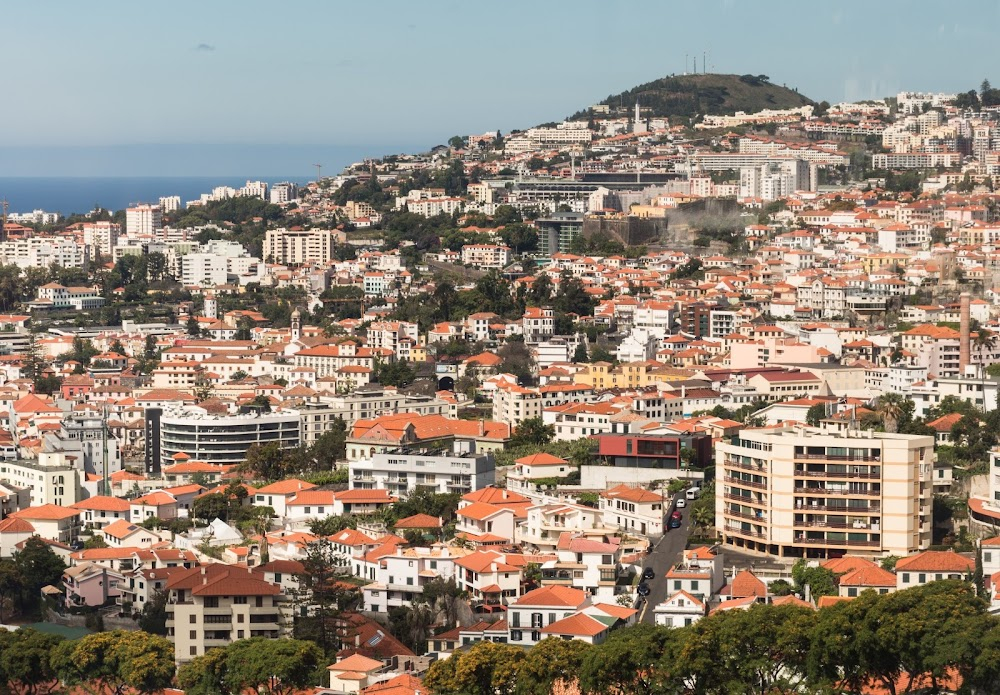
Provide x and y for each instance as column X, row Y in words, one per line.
column 143, row 220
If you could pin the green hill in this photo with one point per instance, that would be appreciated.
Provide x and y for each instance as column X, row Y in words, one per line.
column 684, row 96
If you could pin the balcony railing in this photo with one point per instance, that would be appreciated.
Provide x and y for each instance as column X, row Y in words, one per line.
column 742, row 515
column 800, row 472
column 839, row 509
column 741, row 532
column 836, row 524
column 843, row 541
column 836, row 491
column 745, row 500
column 744, row 483
column 825, row 457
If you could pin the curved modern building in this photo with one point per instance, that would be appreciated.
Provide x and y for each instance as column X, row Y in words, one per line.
column 224, row 439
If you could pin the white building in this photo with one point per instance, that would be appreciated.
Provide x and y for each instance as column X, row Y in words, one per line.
column 299, row 246
column 402, row 472
column 143, row 220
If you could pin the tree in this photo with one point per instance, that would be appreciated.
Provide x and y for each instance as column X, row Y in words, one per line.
column 193, row 327
column 760, row 650
column 521, row 238
column 456, row 142
column 532, row 432
column 444, row 595
column 517, row 360
column 205, row 674
column 38, row 566
column 890, row 409
column 815, row 414
column 325, row 596
column 548, row 662
column 11, row 587
column 487, row 668
column 394, row 373
column 820, row 580
column 331, row 446
column 26, row 663
column 636, row 660
column 153, row 618
column 271, row 667
column 266, row 462
column 116, row 662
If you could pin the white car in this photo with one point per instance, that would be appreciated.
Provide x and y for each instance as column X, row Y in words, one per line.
column 681, row 503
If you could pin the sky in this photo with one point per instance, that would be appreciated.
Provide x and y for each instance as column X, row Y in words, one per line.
column 120, row 87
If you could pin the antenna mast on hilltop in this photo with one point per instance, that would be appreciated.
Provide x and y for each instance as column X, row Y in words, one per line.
column 319, row 172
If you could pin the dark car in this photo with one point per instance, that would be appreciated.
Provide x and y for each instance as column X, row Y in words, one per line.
column 648, row 574
column 674, row 523
column 643, row 589
column 76, row 545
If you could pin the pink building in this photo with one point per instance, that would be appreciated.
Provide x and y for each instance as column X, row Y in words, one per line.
column 88, row 584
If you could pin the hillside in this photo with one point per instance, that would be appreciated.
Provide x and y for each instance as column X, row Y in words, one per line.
column 684, row 96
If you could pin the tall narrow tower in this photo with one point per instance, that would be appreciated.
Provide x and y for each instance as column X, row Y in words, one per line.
column 296, row 324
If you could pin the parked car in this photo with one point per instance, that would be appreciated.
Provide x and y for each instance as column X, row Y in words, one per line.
column 674, row 523
column 676, row 515
column 681, row 503
column 648, row 574
column 643, row 589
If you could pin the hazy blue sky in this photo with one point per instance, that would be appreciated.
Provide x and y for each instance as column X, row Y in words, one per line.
column 395, row 75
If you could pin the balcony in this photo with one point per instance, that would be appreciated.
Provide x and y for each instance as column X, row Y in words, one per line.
column 745, row 500
column 838, row 542
column 732, row 463
column 741, row 515
column 744, row 483
column 801, row 472
column 873, row 508
column 745, row 534
column 836, row 491
column 837, row 524
column 828, row 457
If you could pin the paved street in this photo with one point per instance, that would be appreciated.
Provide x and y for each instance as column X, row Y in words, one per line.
column 666, row 553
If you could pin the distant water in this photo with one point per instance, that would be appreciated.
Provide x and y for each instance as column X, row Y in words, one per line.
column 68, row 195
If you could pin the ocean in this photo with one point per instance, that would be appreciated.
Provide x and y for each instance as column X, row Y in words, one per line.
column 70, row 194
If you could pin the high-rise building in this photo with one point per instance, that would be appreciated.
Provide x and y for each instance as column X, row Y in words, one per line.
column 256, row 189
column 284, row 192
column 298, row 246
column 143, row 220
column 170, row 203
column 806, row 492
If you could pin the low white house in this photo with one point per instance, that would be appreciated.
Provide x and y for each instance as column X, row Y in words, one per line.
column 680, row 609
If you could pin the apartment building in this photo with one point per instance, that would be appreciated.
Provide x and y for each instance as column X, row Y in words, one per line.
column 214, row 605
column 401, row 472
column 225, row 439
column 299, row 246
column 802, row 492
column 143, row 220
column 317, row 415
column 486, row 255
column 52, row 478
column 401, row 575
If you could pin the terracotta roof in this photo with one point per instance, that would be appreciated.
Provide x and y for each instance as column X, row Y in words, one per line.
column 746, row 583
column 869, row 576
column 285, row 487
column 14, row 525
column 578, row 625
column 356, row 662
column 935, row 561
column 419, row 521
column 103, row 503
column 46, row 512
column 562, row 596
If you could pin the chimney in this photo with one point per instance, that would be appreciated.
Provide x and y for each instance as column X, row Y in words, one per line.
column 963, row 344
column 482, row 427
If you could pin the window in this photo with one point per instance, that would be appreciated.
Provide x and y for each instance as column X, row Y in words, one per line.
column 906, row 577
column 922, row 578
column 515, row 620
column 239, row 617
column 677, row 585
column 852, row 591
column 240, row 600
column 193, row 619
column 194, row 634
column 194, row 651
column 515, row 635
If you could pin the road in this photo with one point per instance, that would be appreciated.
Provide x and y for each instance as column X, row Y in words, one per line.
column 666, row 553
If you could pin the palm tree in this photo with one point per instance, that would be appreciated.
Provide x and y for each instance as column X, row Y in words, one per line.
column 703, row 517
column 890, row 409
column 985, row 341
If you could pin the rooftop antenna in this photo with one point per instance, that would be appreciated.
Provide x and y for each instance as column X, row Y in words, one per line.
column 685, row 63
column 319, row 172
column 703, row 62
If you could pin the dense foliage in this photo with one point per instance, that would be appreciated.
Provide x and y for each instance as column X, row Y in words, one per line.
column 892, row 641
